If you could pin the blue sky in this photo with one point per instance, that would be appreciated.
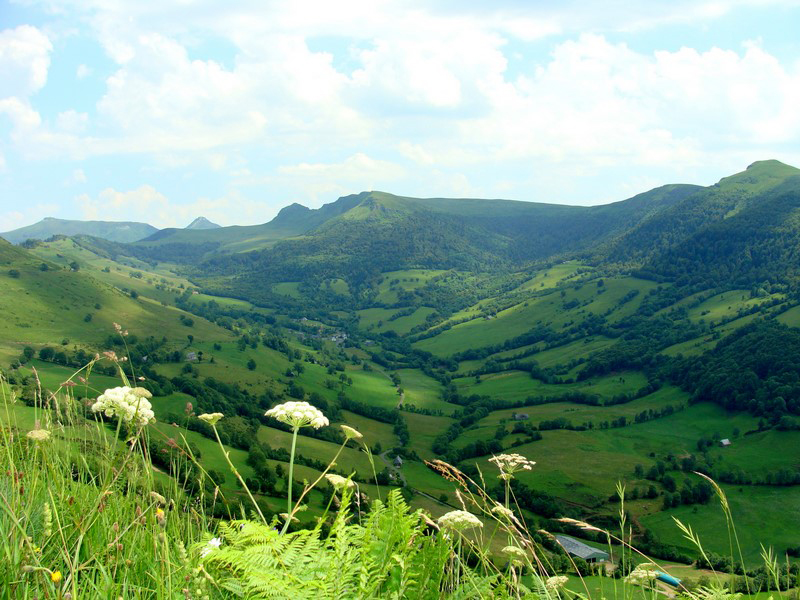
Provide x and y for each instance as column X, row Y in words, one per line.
column 161, row 111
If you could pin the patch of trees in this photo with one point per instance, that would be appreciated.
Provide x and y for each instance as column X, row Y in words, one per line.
column 755, row 369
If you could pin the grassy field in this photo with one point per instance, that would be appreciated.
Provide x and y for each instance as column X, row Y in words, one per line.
column 378, row 319
column 423, row 391
column 288, row 288
column 761, row 514
column 553, row 276
column 726, row 305
column 561, row 355
column 555, row 310
column 584, row 466
column 575, row 413
column 424, row 430
column 518, row 385
column 393, row 282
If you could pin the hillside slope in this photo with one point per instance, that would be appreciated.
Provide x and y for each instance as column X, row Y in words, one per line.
column 115, row 231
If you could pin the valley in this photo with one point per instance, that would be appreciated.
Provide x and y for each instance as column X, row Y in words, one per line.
column 615, row 351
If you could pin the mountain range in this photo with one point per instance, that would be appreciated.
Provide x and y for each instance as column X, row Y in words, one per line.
column 744, row 227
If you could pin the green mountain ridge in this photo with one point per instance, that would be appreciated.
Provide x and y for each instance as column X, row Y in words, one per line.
column 116, row 231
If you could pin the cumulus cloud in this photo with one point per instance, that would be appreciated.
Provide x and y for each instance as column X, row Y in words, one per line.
column 24, row 61
column 147, row 205
column 391, row 94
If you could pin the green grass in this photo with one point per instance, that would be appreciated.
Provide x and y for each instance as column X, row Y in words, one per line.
column 423, row 391
column 407, row 280
column 547, row 310
column 424, row 430
column 562, row 355
column 575, row 413
column 372, row 430
column 320, row 450
column 727, row 305
column 288, row 288
column 761, row 515
column 584, row 466
column 553, row 276
column 518, row 385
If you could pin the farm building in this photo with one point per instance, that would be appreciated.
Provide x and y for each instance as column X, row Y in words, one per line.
column 725, row 442
column 581, row 550
column 398, row 462
column 521, row 416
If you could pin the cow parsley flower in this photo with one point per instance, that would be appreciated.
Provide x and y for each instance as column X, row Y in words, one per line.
column 511, row 463
column 642, row 574
column 503, row 511
column 38, row 435
column 339, row 482
column 211, row 418
column 298, row 414
column 516, row 554
column 130, row 405
column 459, row 520
column 350, row 433
column 556, row 582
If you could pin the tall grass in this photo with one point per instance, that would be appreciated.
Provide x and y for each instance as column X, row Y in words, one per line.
column 84, row 514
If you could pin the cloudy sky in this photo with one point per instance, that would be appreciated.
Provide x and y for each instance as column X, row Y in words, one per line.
column 160, row 110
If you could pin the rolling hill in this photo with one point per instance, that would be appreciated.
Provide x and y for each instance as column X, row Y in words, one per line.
column 122, row 231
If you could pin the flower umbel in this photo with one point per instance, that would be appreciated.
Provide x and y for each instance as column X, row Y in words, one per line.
column 339, row 482
column 298, row 414
column 211, row 418
column 350, row 433
column 503, row 511
column 131, row 405
column 511, row 463
column 556, row 582
column 642, row 574
column 459, row 520
column 38, row 435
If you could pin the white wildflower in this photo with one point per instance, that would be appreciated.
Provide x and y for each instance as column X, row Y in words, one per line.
column 211, row 418
column 131, row 405
column 210, row 546
column 517, row 555
column 642, row 574
column 459, row 520
column 503, row 511
column 339, row 482
column 511, row 463
column 38, row 435
column 350, row 433
column 556, row 582
column 298, row 414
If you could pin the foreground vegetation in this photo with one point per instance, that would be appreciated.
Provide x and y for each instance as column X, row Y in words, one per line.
column 87, row 514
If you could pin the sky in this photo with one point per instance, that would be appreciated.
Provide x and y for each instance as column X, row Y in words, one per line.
column 160, row 111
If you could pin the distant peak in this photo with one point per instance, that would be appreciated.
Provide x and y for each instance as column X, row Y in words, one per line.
column 294, row 207
column 202, row 223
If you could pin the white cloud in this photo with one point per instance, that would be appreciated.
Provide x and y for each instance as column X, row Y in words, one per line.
column 24, row 61
column 147, row 205
column 608, row 104
column 390, row 94
column 110, row 204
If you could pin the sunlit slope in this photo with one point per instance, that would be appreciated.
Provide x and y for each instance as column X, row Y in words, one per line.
column 43, row 303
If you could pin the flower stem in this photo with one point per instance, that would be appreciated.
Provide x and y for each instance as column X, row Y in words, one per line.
column 289, row 483
column 238, row 475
